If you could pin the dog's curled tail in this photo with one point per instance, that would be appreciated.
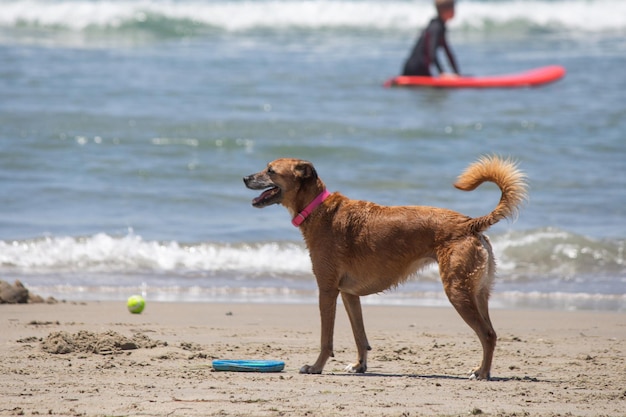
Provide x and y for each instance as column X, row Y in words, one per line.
column 505, row 174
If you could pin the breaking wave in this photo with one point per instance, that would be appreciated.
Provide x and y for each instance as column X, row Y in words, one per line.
column 538, row 268
column 189, row 17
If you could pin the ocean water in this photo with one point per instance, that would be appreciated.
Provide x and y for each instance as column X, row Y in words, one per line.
column 126, row 128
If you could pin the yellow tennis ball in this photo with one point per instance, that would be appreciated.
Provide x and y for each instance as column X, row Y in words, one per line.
column 136, row 304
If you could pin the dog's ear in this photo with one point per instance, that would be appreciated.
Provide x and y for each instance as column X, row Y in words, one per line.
column 305, row 170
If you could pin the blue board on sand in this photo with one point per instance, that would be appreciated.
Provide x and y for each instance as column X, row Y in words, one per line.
column 238, row 365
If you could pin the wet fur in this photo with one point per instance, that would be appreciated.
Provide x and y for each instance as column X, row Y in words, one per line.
column 359, row 248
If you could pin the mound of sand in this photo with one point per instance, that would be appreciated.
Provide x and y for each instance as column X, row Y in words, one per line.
column 106, row 343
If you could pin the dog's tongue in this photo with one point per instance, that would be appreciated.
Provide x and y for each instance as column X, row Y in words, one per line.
column 266, row 194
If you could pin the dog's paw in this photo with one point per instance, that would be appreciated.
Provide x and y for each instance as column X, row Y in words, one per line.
column 357, row 368
column 475, row 374
column 308, row 369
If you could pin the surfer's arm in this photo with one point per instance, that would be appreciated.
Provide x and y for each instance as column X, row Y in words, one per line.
column 451, row 58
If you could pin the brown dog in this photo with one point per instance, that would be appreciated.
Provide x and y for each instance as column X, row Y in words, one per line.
column 359, row 248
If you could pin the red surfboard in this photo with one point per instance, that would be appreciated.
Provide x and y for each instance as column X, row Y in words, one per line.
column 530, row 78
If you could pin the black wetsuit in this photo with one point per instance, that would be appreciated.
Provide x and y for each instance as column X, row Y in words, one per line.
column 425, row 50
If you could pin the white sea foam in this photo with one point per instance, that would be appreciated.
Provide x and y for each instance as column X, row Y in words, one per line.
column 534, row 254
column 579, row 15
column 103, row 253
column 538, row 268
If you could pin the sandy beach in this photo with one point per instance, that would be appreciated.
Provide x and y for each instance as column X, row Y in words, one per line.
column 97, row 359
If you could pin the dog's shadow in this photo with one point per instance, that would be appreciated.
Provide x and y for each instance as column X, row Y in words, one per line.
column 435, row 377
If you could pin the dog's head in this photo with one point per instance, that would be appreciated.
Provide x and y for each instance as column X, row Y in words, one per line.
column 281, row 180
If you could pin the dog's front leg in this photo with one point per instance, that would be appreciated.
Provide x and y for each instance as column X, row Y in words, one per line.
column 328, row 308
column 353, row 307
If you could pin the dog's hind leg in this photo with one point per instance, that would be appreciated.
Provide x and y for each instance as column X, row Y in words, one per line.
column 487, row 336
column 353, row 307
column 328, row 309
column 469, row 294
column 468, row 307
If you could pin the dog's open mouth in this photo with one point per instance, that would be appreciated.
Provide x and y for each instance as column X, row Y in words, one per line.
column 269, row 196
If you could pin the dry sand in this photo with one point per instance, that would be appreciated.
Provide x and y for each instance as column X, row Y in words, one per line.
column 96, row 359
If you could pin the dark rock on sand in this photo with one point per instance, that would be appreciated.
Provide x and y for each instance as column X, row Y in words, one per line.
column 19, row 294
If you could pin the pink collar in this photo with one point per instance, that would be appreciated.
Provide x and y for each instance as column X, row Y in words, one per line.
column 297, row 221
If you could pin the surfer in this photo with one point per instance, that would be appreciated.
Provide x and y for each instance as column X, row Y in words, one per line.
column 424, row 53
